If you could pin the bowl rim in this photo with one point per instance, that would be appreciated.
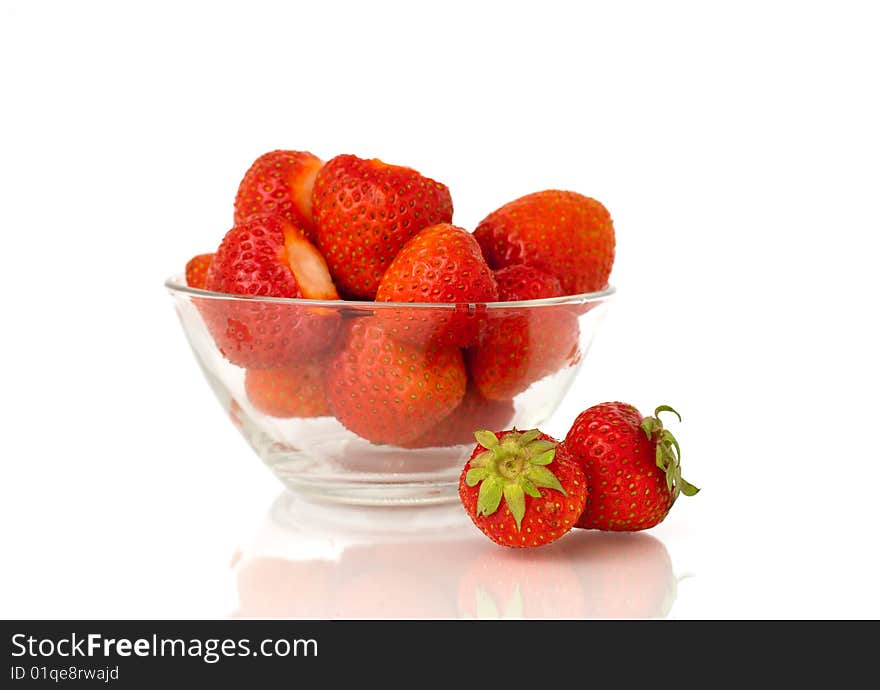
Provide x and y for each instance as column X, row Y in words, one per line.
column 176, row 286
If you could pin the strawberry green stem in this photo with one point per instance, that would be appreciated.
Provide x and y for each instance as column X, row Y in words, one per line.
column 668, row 453
column 511, row 468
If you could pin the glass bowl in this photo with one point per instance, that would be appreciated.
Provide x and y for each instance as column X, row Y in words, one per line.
column 376, row 403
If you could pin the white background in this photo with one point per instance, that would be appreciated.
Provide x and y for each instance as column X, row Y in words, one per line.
column 735, row 144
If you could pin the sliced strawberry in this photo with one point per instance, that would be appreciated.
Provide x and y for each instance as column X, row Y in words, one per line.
column 280, row 183
column 268, row 256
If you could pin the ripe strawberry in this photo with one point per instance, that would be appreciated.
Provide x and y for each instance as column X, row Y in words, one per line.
column 365, row 211
column 632, row 465
column 543, row 490
column 522, row 345
column 474, row 411
column 290, row 392
column 389, row 391
column 442, row 263
column 280, row 183
column 197, row 269
column 521, row 282
column 563, row 233
column 268, row 256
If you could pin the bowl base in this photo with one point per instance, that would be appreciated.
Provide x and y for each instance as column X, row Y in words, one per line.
column 355, row 472
column 375, row 494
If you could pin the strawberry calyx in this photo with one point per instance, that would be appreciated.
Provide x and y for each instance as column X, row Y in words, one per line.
column 668, row 453
column 511, row 468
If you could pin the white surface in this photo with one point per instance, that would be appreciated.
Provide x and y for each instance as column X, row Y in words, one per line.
column 737, row 149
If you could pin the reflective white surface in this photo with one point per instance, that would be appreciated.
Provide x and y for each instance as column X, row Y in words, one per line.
column 312, row 561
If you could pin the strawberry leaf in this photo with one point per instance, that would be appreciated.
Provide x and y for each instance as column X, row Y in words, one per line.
column 529, row 487
column 544, row 458
column 649, row 425
column 666, row 408
column 541, row 476
column 490, row 494
column 529, row 436
column 486, row 439
column 687, row 488
column 660, row 457
column 539, row 446
column 482, row 460
column 475, row 475
column 516, row 502
column 670, row 440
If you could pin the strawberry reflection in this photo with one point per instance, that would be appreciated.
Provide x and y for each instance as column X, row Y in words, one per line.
column 321, row 561
column 585, row 574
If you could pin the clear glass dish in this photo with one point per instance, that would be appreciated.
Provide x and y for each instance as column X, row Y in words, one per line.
column 390, row 399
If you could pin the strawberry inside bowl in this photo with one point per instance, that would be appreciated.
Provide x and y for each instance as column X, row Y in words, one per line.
column 376, row 402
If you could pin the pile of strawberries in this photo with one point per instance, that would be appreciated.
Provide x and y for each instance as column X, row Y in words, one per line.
column 356, row 229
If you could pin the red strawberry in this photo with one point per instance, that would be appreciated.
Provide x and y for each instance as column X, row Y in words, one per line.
column 521, row 489
column 389, row 391
column 563, row 233
column 365, row 211
column 474, row 412
column 519, row 283
column 442, row 263
column 268, row 256
column 280, row 183
column 197, row 269
column 632, row 465
column 522, row 345
column 291, row 392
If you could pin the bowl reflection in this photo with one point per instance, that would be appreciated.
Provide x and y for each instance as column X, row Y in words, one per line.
column 317, row 561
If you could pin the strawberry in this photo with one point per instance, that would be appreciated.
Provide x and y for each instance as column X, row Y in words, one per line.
column 365, row 211
column 268, row 256
column 632, row 465
column 291, row 392
column 389, row 391
column 522, row 345
column 566, row 234
column 197, row 270
column 520, row 282
column 442, row 263
column 521, row 488
column 474, row 411
column 280, row 183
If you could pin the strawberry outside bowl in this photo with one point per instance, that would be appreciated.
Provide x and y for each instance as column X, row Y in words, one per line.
column 376, row 403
